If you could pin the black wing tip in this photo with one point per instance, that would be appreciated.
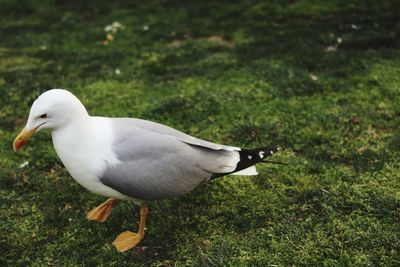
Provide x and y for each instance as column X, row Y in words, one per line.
column 263, row 151
column 250, row 157
column 271, row 149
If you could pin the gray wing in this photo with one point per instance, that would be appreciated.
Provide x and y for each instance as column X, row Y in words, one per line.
column 165, row 130
column 156, row 166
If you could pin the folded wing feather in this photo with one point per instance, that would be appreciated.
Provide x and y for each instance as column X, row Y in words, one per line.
column 158, row 162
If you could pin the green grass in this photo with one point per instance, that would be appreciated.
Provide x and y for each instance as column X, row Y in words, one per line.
column 319, row 78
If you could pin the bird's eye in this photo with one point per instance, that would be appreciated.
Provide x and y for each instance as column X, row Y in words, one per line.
column 43, row 116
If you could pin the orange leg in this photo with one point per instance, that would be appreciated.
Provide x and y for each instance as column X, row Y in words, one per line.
column 127, row 240
column 101, row 212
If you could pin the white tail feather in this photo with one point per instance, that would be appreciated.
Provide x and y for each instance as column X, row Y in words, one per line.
column 248, row 171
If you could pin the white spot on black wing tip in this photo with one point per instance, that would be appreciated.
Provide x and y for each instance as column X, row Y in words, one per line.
column 261, row 154
column 271, row 152
column 249, row 156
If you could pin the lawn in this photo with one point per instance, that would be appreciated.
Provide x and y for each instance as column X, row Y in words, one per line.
column 319, row 78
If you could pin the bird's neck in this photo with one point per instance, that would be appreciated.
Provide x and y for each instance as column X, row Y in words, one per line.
column 72, row 133
column 83, row 146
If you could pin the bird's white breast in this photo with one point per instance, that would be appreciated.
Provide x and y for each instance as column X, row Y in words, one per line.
column 85, row 148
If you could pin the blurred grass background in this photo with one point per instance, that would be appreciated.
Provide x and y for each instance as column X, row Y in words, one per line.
column 319, row 78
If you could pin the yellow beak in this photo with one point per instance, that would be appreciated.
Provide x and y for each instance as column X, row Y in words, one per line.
column 22, row 137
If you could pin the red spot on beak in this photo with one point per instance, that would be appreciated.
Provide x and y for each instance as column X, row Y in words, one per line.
column 19, row 144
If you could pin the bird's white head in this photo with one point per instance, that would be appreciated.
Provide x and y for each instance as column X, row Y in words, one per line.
column 53, row 109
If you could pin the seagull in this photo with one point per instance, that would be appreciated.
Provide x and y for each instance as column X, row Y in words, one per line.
column 131, row 159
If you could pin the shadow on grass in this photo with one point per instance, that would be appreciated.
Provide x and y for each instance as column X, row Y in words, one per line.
column 294, row 49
